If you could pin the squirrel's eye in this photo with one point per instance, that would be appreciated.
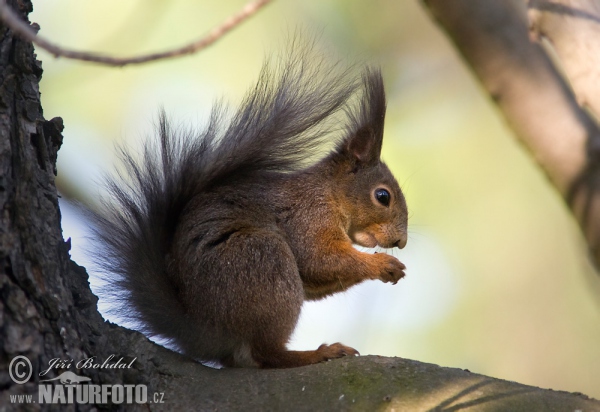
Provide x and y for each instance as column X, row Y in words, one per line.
column 382, row 196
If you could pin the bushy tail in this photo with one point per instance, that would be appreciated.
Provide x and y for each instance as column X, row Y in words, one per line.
column 134, row 228
column 279, row 126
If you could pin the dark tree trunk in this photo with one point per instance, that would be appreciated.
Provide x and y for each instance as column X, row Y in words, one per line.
column 46, row 307
column 47, row 310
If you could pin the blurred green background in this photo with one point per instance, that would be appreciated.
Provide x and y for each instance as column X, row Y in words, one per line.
column 498, row 279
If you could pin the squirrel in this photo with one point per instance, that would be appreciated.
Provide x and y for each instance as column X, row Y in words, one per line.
column 220, row 235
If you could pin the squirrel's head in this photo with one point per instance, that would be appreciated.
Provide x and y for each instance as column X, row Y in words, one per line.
column 370, row 195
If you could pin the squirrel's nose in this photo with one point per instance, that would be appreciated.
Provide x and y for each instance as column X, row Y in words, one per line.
column 402, row 241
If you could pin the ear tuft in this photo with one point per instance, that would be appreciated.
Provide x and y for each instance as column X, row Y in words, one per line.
column 365, row 128
column 361, row 146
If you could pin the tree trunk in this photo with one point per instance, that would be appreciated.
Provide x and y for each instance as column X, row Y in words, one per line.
column 47, row 311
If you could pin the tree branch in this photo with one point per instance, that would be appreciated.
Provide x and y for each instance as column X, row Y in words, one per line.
column 571, row 30
column 11, row 20
column 534, row 98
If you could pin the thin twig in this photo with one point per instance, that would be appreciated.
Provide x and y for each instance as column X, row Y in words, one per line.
column 24, row 31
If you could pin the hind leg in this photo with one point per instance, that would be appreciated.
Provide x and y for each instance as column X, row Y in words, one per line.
column 262, row 298
column 280, row 357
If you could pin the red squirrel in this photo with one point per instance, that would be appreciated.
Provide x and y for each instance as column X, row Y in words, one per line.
column 221, row 234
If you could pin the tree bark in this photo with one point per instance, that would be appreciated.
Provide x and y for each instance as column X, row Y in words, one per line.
column 47, row 310
column 571, row 29
column 531, row 92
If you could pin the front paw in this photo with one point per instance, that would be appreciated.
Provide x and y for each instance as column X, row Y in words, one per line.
column 390, row 268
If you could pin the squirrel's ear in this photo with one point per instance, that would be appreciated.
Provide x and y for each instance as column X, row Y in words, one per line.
column 364, row 146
